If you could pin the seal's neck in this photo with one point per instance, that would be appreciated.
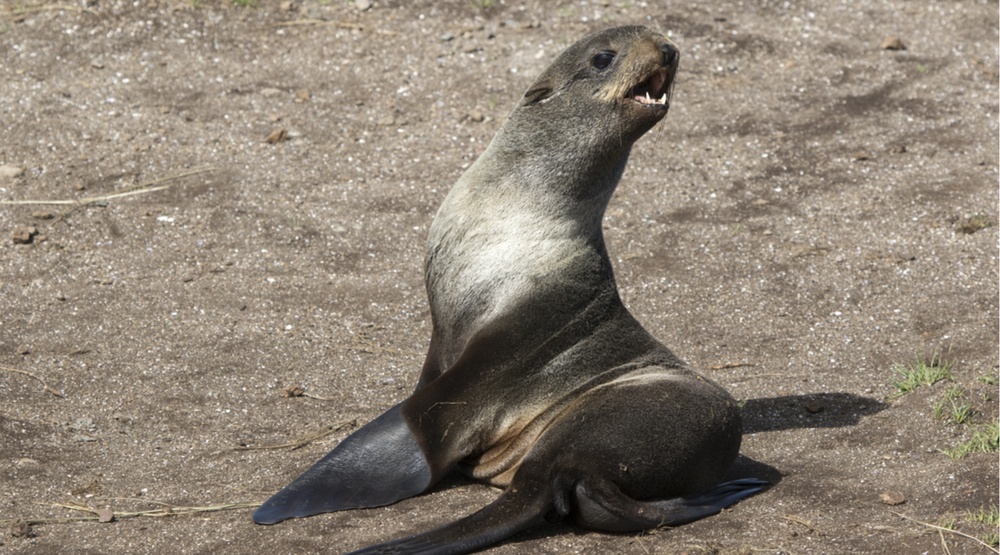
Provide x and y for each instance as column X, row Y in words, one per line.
column 546, row 173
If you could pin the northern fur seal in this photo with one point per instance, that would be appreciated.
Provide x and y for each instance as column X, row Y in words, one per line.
column 537, row 378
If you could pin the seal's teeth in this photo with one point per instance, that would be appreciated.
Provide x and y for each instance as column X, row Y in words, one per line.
column 663, row 99
column 648, row 100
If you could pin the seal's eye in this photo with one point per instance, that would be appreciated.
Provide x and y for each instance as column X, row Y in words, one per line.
column 603, row 59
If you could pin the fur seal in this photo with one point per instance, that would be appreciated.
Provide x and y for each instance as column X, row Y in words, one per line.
column 537, row 378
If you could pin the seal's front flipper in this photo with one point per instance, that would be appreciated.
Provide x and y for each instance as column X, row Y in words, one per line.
column 379, row 464
column 602, row 506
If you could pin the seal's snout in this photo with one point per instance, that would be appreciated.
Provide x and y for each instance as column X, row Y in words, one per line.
column 656, row 63
column 670, row 53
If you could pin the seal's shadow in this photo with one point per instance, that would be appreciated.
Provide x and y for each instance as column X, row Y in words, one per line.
column 815, row 410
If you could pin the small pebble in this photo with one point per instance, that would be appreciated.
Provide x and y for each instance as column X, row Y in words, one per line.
column 20, row 529
column 893, row 43
column 6, row 170
column 24, row 234
column 892, row 498
column 276, row 136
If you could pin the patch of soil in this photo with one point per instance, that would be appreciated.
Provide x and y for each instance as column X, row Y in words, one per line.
column 815, row 210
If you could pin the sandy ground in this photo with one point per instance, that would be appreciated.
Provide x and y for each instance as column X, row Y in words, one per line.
column 815, row 211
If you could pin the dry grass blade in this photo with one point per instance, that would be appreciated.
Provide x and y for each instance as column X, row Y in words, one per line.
column 25, row 10
column 304, row 22
column 800, row 520
column 732, row 365
column 303, row 441
column 29, row 374
column 169, row 510
column 95, row 514
column 141, row 188
column 942, row 529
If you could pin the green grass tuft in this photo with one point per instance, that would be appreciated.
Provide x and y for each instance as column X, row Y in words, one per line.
column 922, row 372
column 985, row 439
column 990, row 517
column 955, row 406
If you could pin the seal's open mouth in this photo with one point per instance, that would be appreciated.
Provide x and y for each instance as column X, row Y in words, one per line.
column 653, row 92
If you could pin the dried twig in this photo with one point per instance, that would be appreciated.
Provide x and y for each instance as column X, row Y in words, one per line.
column 800, row 520
column 731, row 365
column 942, row 529
column 303, row 441
column 299, row 391
column 29, row 374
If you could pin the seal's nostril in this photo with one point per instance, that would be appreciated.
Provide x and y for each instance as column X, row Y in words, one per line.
column 670, row 53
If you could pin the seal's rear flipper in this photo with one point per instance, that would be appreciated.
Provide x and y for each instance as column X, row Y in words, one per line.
column 603, row 506
column 518, row 509
column 379, row 464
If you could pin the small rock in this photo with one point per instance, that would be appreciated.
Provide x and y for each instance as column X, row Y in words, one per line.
column 7, row 170
column 23, row 350
column 276, row 136
column 892, row 498
column 363, row 5
column 79, row 186
column 287, row 6
column 24, row 234
column 893, row 43
column 814, row 406
column 21, row 529
column 25, row 462
column 294, row 391
column 448, row 37
column 303, row 95
column 973, row 224
column 42, row 215
column 105, row 515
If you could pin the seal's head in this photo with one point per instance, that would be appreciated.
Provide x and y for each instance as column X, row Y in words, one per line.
column 622, row 75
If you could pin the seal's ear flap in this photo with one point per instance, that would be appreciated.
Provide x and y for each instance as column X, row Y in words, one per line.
column 539, row 91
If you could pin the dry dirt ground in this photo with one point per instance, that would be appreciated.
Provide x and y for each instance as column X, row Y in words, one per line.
column 815, row 211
